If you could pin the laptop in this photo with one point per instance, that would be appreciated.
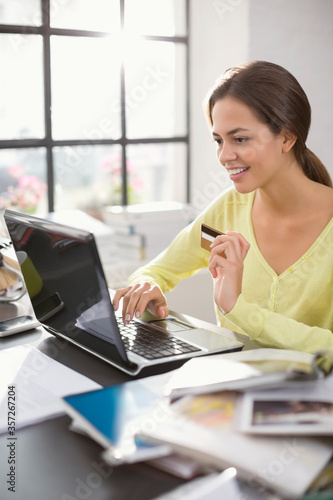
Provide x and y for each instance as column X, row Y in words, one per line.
column 64, row 277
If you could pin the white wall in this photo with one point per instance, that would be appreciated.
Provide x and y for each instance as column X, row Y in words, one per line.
column 219, row 39
column 298, row 34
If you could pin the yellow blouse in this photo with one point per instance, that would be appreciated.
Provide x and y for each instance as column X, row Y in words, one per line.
column 293, row 310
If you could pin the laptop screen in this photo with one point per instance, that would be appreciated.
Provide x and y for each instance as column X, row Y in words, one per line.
column 66, row 284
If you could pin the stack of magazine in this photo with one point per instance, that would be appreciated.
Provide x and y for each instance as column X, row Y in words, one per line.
column 267, row 412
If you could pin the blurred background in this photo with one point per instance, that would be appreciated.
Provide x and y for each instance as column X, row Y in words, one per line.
column 101, row 102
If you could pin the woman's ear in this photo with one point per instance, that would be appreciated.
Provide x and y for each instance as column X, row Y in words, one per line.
column 289, row 140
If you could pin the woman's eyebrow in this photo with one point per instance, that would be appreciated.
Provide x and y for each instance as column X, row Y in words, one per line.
column 237, row 129
column 233, row 131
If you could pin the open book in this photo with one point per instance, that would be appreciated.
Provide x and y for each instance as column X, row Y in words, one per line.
column 203, row 427
column 247, row 370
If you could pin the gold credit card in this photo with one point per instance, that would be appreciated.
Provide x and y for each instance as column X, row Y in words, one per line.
column 208, row 235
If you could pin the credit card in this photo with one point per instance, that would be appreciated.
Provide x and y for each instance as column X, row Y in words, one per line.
column 208, row 235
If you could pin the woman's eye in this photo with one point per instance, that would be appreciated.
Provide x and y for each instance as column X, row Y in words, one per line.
column 219, row 142
column 240, row 140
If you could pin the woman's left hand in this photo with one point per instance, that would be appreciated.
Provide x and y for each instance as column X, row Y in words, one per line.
column 226, row 267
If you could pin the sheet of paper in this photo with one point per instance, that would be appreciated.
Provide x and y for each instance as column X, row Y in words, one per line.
column 31, row 387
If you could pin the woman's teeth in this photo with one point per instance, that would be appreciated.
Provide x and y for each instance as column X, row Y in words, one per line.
column 237, row 170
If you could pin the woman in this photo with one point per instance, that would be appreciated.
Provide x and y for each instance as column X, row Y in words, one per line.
column 273, row 268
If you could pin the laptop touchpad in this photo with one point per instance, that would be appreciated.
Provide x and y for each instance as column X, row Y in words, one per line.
column 170, row 325
column 209, row 340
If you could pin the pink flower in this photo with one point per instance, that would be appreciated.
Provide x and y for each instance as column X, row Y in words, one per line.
column 16, row 171
column 28, row 193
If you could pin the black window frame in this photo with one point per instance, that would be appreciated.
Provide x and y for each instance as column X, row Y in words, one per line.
column 49, row 143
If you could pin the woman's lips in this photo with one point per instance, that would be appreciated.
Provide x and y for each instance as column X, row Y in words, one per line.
column 237, row 173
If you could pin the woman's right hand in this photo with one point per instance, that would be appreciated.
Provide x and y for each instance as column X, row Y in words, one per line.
column 138, row 298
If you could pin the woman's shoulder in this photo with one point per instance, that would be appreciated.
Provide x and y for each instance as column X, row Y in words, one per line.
column 323, row 201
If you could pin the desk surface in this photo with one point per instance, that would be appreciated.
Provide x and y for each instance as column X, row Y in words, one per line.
column 54, row 463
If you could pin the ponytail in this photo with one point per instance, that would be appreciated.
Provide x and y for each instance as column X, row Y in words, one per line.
column 314, row 169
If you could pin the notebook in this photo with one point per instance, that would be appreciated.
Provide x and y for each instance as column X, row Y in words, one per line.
column 72, row 301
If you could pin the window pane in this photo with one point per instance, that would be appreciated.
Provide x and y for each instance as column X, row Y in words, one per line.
column 155, row 89
column 99, row 15
column 85, row 88
column 21, row 97
column 156, row 172
column 21, row 12
column 87, row 177
column 155, row 17
column 23, row 179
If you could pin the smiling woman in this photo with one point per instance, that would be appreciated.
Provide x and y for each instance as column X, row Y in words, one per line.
column 276, row 255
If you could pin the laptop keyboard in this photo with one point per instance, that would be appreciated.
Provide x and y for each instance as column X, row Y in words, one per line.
column 141, row 340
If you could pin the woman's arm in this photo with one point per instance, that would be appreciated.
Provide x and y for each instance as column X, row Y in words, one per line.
column 267, row 328
column 272, row 329
column 147, row 285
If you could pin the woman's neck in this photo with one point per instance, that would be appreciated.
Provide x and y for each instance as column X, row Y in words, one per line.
column 288, row 197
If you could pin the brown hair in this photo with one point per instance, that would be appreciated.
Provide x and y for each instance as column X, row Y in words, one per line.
column 278, row 100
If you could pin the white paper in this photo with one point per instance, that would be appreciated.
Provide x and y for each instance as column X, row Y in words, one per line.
column 37, row 383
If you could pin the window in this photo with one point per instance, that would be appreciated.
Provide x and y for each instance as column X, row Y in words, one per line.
column 94, row 103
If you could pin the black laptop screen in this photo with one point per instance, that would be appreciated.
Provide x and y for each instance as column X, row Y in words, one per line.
column 66, row 284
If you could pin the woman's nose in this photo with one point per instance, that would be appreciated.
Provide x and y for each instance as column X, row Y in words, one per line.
column 226, row 153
